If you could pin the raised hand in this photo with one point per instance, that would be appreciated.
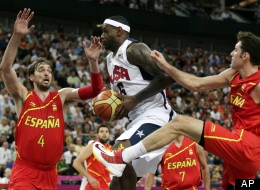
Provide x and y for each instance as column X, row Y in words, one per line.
column 22, row 20
column 93, row 51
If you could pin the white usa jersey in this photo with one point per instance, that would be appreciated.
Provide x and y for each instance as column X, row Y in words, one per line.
column 128, row 79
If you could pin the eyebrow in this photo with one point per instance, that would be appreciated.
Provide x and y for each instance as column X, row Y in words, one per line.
column 42, row 65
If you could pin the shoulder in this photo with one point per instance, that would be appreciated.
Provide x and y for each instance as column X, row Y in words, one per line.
column 138, row 53
column 228, row 73
column 137, row 46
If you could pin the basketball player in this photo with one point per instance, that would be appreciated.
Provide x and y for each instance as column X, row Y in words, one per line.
column 135, row 75
column 98, row 177
column 240, row 148
column 183, row 164
column 39, row 135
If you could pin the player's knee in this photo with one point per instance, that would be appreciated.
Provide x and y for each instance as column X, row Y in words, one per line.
column 176, row 124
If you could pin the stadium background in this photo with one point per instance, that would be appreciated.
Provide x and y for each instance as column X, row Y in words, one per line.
column 83, row 16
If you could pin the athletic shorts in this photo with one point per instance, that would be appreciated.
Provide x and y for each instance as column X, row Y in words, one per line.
column 239, row 149
column 27, row 177
column 136, row 131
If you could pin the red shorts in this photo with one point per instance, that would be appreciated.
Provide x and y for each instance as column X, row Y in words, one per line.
column 239, row 149
column 27, row 177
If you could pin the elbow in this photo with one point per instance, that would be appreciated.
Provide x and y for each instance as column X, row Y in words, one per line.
column 195, row 87
column 74, row 164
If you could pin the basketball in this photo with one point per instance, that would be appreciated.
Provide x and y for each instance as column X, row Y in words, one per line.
column 106, row 104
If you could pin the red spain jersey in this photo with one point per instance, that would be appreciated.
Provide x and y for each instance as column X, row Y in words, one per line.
column 245, row 112
column 97, row 169
column 181, row 166
column 39, row 134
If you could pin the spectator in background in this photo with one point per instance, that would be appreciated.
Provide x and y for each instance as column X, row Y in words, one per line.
column 11, row 134
column 6, row 178
column 4, row 126
column 5, row 154
column 62, row 166
column 86, row 128
column 68, row 139
column 70, row 153
column 6, row 102
column 84, row 81
column 71, row 170
column 21, row 75
column 82, row 70
column 70, row 124
column 3, row 138
column 91, row 136
column 73, row 80
column 77, row 117
column 79, row 145
column 9, row 114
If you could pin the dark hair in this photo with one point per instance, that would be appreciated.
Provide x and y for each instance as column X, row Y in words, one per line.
column 102, row 125
column 120, row 19
column 250, row 43
column 35, row 64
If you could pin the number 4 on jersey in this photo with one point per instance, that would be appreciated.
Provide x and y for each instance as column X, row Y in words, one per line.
column 41, row 141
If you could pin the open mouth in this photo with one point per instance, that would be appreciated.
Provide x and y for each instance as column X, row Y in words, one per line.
column 46, row 80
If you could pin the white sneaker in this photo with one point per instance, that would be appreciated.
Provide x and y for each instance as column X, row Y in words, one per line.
column 109, row 158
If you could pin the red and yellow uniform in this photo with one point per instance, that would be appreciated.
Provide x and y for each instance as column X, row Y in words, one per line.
column 98, row 171
column 181, row 167
column 39, row 142
column 244, row 139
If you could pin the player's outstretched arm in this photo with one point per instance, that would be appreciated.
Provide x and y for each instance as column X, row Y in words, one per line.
column 191, row 81
column 14, row 87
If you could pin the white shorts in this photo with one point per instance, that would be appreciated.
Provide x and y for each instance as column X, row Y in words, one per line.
column 140, row 128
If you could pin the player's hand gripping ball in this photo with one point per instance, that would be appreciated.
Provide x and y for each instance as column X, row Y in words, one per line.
column 105, row 105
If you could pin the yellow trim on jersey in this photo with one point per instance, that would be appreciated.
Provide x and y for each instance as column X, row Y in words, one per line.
column 252, row 83
column 29, row 94
column 38, row 108
column 179, row 152
column 226, row 139
column 236, row 73
column 92, row 171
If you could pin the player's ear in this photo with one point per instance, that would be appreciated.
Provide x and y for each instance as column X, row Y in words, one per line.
column 31, row 77
column 119, row 31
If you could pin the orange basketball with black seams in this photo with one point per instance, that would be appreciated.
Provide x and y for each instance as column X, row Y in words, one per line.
column 106, row 104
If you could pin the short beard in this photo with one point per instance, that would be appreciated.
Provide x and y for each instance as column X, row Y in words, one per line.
column 42, row 87
column 103, row 141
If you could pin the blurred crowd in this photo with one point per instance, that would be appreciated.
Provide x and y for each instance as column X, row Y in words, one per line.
column 71, row 69
column 205, row 9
